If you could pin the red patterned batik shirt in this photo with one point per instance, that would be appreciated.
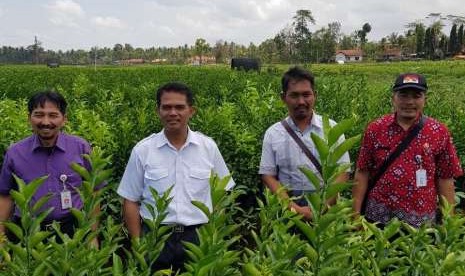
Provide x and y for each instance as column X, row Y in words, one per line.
column 396, row 194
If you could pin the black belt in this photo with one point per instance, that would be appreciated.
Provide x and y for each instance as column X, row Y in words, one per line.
column 49, row 221
column 179, row 228
column 63, row 220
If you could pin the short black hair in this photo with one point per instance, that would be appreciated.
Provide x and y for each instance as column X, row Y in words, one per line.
column 39, row 99
column 296, row 73
column 177, row 87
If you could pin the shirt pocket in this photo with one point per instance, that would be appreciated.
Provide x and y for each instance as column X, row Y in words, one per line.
column 69, row 177
column 157, row 179
column 199, row 183
column 73, row 179
column 283, row 153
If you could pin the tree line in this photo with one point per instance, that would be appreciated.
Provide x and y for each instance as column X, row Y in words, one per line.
column 295, row 43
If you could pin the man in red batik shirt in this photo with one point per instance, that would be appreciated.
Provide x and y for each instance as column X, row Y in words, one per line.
column 410, row 187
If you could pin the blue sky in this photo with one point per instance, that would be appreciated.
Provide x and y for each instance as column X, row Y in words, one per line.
column 82, row 24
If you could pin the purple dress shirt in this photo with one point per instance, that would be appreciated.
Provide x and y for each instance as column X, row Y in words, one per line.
column 29, row 160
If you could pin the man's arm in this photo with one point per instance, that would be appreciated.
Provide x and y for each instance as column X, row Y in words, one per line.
column 6, row 208
column 132, row 218
column 446, row 188
column 273, row 184
column 359, row 189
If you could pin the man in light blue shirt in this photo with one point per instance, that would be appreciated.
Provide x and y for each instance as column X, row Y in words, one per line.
column 178, row 157
column 281, row 155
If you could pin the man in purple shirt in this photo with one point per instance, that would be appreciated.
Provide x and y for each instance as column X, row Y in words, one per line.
column 48, row 152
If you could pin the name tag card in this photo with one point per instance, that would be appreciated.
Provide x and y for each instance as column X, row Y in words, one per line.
column 66, row 202
column 421, row 178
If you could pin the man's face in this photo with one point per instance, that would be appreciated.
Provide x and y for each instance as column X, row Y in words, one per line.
column 408, row 103
column 300, row 99
column 46, row 122
column 174, row 111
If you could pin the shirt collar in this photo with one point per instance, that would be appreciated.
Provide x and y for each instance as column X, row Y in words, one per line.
column 393, row 120
column 316, row 122
column 191, row 138
column 60, row 143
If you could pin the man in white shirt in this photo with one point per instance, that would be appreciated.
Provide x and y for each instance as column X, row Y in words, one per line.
column 281, row 155
column 178, row 157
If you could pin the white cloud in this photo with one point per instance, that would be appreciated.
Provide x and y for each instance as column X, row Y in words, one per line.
column 65, row 13
column 109, row 22
column 176, row 22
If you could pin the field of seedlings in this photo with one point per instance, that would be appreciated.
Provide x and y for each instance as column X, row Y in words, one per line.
column 250, row 230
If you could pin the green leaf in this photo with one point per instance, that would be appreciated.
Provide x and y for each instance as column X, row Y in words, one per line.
column 315, row 204
column 38, row 237
column 392, row 228
column 312, row 177
column 196, row 251
column 385, row 263
column 17, row 231
column 31, row 188
column 321, row 147
column 202, row 207
column 78, row 214
column 325, row 221
column 39, row 203
column 117, row 266
column 335, row 188
column 344, row 147
column 249, row 269
column 306, row 230
column 338, row 130
column 326, row 127
column 19, row 199
column 311, row 253
column 102, row 176
column 81, row 171
column 330, row 271
column 19, row 251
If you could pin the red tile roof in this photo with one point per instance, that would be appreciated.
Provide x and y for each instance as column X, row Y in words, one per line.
column 351, row 52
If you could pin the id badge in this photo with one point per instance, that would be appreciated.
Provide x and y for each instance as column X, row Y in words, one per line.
column 421, row 178
column 66, row 202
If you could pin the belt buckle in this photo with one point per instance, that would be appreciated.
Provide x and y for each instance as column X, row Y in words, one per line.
column 178, row 228
column 49, row 226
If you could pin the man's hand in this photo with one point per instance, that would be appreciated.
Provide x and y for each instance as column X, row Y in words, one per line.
column 305, row 211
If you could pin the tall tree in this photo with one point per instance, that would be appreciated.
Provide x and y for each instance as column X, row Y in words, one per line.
column 201, row 48
column 36, row 50
column 219, row 51
column 348, row 42
column 325, row 42
column 117, row 52
column 453, row 40
column 362, row 34
column 420, row 38
column 303, row 36
column 268, row 51
column 460, row 37
column 285, row 44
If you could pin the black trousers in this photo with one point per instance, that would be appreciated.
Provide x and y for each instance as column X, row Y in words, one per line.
column 67, row 226
column 173, row 254
column 301, row 201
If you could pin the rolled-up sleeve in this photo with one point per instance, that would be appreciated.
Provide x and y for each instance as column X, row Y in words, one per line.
column 219, row 167
column 6, row 176
column 132, row 182
column 268, row 159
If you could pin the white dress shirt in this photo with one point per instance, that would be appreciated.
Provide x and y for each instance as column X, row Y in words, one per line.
column 154, row 162
column 281, row 151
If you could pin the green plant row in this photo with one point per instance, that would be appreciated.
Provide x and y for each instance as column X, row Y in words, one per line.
column 281, row 243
